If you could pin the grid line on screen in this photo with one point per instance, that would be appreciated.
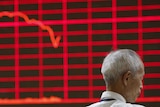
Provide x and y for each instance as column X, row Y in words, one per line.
column 16, row 33
column 65, row 61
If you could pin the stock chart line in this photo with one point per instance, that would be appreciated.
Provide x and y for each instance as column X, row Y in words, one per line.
column 54, row 40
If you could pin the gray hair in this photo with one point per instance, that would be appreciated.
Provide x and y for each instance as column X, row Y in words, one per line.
column 116, row 63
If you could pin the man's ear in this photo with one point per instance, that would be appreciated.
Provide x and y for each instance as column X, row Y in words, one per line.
column 125, row 78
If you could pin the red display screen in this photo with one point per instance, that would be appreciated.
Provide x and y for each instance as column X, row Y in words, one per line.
column 56, row 47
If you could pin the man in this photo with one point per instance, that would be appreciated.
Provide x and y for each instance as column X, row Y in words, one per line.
column 123, row 73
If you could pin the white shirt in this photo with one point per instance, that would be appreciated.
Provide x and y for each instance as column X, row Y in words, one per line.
column 115, row 100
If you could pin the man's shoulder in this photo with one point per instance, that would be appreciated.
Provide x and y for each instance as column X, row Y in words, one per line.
column 118, row 104
column 98, row 104
column 126, row 105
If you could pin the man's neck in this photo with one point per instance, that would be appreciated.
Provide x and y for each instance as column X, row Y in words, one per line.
column 118, row 88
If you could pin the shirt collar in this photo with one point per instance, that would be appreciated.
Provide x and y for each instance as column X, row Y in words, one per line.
column 112, row 95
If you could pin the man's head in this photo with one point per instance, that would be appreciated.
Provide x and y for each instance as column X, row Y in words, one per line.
column 123, row 73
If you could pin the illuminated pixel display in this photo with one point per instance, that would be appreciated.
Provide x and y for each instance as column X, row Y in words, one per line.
column 56, row 47
column 54, row 41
